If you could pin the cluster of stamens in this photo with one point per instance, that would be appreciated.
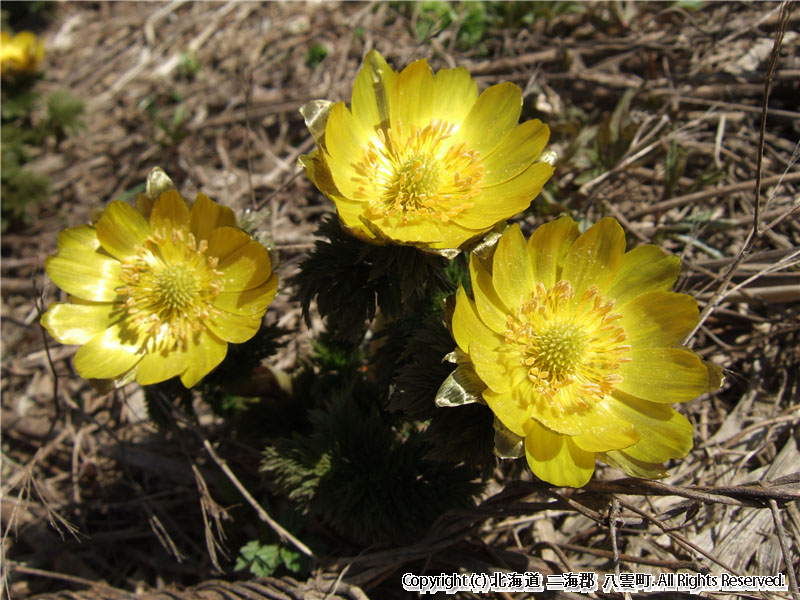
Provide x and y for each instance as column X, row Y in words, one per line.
column 418, row 172
column 168, row 289
column 563, row 343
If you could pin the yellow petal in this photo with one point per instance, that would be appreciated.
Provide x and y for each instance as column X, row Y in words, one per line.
column 414, row 229
column 467, row 325
column 350, row 216
column 658, row 319
column 556, row 459
column 665, row 375
column 232, row 327
column 245, row 268
column 122, row 229
column 664, row 433
column 81, row 267
column 490, row 308
column 78, row 323
column 507, row 199
column 515, row 153
column 494, row 114
column 344, row 143
column 169, row 212
column 602, row 439
column 575, row 418
column 82, row 238
column 160, row 366
column 512, row 411
column 491, row 367
column 606, row 431
column 595, row 257
column 224, row 241
column 512, row 274
column 418, row 230
column 252, row 303
column 204, row 355
column 207, row 215
column 453, row 236
column 144, row 205
column 411, row 98
column 548, row 247
column 350, row 212
column 644, row 269
column 455, row 93
column 373, row 85
column 621, row 459
column 109, row 354
column 32, row 47
column 90, row 275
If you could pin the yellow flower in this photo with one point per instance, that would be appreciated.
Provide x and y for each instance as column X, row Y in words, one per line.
column 422, row 159
column 158, row 294
column 579, row 346
column 20, row 54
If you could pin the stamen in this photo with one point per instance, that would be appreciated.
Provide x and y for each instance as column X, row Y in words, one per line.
column 169, row 285
column 404, row 173
column 562, row 344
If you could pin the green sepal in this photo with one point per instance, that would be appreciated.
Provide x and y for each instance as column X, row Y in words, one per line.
column 507, row 444
column 462, row 386
column 457, row 357
column 316, row 113
column 484, row 247
column 716, row 377
column 158, row 182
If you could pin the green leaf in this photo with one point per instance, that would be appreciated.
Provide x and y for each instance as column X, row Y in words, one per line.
column 294, row 560
column 261, row 559
column 316, row 54
column 363, row 478
column 64, row 113
column 620, row 116
column 18, row 105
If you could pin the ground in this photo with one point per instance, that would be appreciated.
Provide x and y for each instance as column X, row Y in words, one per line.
column 659, row 116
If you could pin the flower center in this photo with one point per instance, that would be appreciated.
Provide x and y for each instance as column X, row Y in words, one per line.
column 175, row 287
column 559, row 350
column 406, row 173
column 168, row 289
column 416, row 182
column 567, row 345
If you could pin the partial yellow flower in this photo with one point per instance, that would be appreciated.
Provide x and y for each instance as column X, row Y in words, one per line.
column 21, row 53
column 159, row 294
column 421, row 159
column 579, row 346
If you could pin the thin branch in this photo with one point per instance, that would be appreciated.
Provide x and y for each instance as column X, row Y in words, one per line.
column 715, row 193
column 612, row 528
column 754, row 233
column 679, row 538
column 783, row 21
column 38, row 303
column 247, row 78
column 262, row 514
column 73, row 579
column 787, row 559
column 636, row 560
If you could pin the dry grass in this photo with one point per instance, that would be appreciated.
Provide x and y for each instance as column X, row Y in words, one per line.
column 95, row 499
